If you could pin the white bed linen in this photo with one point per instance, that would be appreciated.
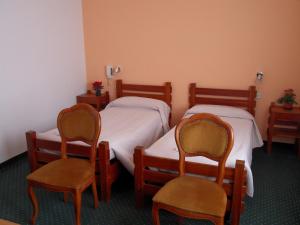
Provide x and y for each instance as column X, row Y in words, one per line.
column 147, row 103
column 124, row 128
column 246, row 137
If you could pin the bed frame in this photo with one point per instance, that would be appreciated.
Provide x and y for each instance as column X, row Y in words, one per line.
column 149, row 181
column 107, row 171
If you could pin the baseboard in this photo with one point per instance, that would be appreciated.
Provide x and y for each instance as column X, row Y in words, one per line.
column 13, row 159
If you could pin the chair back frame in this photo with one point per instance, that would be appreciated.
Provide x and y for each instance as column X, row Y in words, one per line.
column 92, row 142
column 221, row 160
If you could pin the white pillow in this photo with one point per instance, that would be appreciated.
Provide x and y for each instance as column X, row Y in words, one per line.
column 140, row 102
column 220, row 110
column 146, row 103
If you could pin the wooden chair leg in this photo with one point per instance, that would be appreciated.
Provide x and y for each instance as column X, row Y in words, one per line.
column 95, row 194
column 106, row 191
column 155, row 214
column 220, row 223
column 77, row 206
column 34, row 203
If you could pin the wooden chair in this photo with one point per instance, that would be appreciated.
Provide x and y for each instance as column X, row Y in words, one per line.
column 70, row 175
column 190, row 196
column 5, row 222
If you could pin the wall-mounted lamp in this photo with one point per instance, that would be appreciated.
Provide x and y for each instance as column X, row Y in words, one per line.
column 110, row 70
column 259, row 76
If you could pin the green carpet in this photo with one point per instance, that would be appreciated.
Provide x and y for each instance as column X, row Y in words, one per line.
column 276, row 198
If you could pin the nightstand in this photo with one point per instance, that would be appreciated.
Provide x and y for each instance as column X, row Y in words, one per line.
column 99, row 102
column 283, row 123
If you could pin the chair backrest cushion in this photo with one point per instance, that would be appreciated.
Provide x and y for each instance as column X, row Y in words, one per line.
column 203, row 136
column 80, row 122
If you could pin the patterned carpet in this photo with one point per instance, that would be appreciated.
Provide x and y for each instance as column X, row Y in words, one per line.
column 276, row 198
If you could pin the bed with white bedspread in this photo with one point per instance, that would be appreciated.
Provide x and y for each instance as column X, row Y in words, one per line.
column 138, row 116
column 158, row 164
column 125, row 123
column 246, row 137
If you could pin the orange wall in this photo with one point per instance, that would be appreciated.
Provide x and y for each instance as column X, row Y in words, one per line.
column 214, row 43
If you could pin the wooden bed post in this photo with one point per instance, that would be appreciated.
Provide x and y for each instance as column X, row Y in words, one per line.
column 252, row 96
column 192, row 94
column 119, row 88
column 168, row 98
column 107, row 97
column 139, row 176
column 104, row 165
column 31, row 149
column 168, row 91
column 238, row 183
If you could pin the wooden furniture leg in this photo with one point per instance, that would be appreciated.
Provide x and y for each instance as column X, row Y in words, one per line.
column 31, row 149
column 95, row 194
column 104, row 168
column 155, row 214
column 220, row 222
column 139, row 177
column 77, row 206
column 237, row 192
column 34, row 204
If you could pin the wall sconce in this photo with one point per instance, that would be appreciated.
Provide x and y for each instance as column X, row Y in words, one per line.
column 259, row 76
column 110, row 70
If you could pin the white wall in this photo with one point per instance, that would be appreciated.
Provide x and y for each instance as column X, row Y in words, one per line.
column 42, row 66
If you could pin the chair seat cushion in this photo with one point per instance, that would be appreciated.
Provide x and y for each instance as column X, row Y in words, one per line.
column 69, row 173
column 193, row 194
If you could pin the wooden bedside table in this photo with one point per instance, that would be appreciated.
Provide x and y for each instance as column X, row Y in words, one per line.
column 283, row 123
column 99, row 102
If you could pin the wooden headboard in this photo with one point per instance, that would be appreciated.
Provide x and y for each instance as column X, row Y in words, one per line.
column 162, row 92
column 237, row 98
